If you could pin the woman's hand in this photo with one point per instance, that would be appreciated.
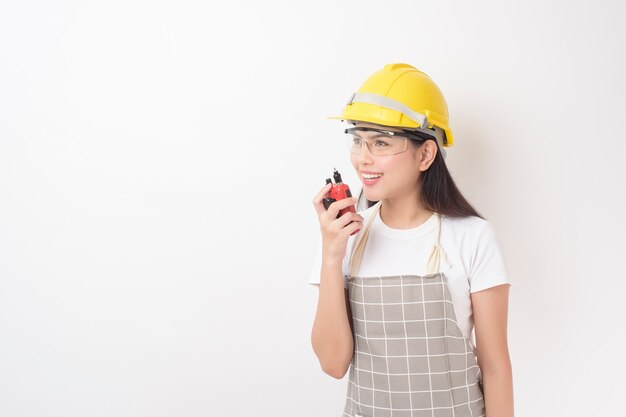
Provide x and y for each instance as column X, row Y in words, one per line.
column 336, row 231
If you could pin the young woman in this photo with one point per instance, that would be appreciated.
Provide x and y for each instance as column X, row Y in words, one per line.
column 398, row 300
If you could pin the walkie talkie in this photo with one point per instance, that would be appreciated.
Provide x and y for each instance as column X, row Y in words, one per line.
column 338, row 191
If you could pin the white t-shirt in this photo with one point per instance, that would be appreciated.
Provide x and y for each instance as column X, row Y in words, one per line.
column 475, row 261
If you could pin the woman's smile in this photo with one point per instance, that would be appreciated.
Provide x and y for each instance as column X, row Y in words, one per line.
column 370, row 178
column 370, row 181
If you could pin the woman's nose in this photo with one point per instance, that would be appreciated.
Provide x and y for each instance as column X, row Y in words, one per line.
column 365, row 154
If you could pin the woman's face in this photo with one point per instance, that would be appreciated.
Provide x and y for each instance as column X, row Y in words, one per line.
column 400, row 172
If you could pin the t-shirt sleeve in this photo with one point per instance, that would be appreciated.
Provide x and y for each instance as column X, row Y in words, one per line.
column 487, row 266
column 316, row 269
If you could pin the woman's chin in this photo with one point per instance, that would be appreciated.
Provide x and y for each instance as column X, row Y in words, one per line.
column 371, row 195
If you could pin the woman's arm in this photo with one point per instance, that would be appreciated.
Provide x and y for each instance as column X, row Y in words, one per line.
column 490, row 308
column 331, row 336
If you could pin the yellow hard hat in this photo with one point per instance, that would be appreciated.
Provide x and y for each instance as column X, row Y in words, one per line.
column 400, row 95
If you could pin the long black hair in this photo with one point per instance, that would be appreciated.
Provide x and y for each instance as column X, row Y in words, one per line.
column 439, row 193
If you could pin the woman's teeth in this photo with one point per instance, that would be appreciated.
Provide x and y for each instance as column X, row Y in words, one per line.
column 371, row 176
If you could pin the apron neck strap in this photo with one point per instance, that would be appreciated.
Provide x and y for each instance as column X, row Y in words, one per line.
column 434, row 259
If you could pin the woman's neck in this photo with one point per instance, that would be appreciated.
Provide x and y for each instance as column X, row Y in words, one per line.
column 403, row 213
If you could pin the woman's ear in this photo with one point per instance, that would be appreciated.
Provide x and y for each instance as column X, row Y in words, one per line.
column 426, row 154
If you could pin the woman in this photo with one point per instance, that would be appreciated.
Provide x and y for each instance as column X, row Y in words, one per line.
column 398, row 300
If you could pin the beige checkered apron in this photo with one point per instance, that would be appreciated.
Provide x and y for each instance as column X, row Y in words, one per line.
column 410, row 358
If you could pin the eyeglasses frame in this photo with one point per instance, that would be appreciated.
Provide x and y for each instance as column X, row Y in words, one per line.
column 416, row 136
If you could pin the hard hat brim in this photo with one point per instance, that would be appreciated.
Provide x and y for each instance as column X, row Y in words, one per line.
column 369, row 120
column 448, row 132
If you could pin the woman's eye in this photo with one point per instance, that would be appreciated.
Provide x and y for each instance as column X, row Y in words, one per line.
column 380, row 141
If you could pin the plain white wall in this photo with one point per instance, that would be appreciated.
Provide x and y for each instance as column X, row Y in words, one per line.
column 158, row 161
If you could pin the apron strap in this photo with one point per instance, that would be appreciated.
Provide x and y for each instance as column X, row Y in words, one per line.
column 434, row 259
column 355, row 261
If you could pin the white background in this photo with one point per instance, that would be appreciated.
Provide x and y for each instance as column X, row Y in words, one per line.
column 157, row 165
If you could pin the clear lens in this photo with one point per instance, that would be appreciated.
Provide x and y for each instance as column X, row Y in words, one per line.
column 379, row 144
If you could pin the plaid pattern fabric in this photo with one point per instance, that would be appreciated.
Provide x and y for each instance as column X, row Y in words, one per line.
column 411, row 358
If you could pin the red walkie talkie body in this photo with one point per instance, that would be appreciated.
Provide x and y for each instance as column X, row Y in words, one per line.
column 339, row 191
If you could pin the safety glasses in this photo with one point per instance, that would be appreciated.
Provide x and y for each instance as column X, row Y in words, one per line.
column 385, row 143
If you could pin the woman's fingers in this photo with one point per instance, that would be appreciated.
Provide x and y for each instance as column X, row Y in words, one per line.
column 346, row 219
column 336, row 229
column 354, row 226
column 336, row 206
column 317, row 201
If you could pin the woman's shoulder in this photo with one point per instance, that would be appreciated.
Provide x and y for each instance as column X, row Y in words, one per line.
column 466, row 225
column 464, row 221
